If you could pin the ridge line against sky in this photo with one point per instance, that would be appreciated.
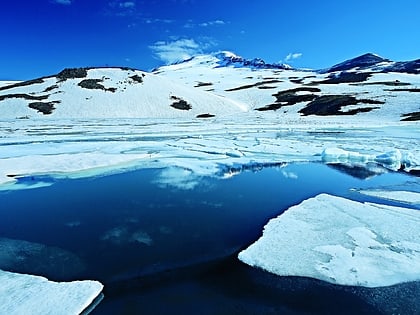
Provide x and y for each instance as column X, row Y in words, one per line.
column 43, row 37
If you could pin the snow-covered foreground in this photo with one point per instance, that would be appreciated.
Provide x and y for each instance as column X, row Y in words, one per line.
column 78, row 148
column 26, row 294
column 342, row 242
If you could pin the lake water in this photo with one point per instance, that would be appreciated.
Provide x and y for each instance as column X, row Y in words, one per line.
column 167, row 244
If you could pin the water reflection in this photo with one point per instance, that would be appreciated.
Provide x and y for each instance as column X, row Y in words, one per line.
column 168, row 232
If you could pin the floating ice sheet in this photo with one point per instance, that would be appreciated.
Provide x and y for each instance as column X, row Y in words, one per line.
column 27, row 294
column 341, row 241
column 394, row 159
column 409, row 197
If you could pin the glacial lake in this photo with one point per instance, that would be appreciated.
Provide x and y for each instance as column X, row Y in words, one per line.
column 166, row 244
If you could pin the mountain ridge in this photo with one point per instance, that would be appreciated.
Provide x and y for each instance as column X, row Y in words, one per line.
column 365, row 61
column 220, row 84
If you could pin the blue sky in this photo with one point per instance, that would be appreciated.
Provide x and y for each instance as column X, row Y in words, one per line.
column 41, row 37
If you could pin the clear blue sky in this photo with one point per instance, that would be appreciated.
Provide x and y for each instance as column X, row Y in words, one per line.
column 41, row 37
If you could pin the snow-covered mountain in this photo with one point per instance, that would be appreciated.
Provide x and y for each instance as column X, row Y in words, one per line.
column 375, row 63
column 222, row 84
column 229, row 59
column 109, row 93
column 362, row 62
column 369, row 86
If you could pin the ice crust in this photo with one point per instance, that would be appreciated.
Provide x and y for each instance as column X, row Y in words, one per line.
column 392, row 159
column 409, row 197
column 28, row 294
column 341, row 241
column 83, row 148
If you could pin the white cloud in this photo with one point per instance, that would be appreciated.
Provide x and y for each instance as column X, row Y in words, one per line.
column 211, row 23
column 65, row 2
column 179, row 49
column 164, row 21
column 127, row 4
column 292, row 56
column 190, row 23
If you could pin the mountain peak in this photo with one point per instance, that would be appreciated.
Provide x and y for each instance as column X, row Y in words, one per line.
column 360, row 62
column 227, row 59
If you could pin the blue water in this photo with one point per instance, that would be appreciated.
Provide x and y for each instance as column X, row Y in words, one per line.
column 162, row 249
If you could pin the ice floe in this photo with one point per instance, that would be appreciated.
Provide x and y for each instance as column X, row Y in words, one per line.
column 394, row 159
column 28, row 294
column 341, row 241
column 409, row 197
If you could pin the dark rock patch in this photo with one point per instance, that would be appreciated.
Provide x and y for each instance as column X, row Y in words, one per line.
column 413, row 90
column 200, row 84
column 297, row 81
column 244, row 87
column 93, row 84
column 267, row 87
column 137, row 78
column 346, row 77
column 386, row 83
column 72, row 73
column 248, row 86
column 290, row 97
column 415, row 116
column 50, row 88
column 180, row 104
column 205, row 115
column 274, row 106
column 24, row 96
column 44, row 108
column 331, row 105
